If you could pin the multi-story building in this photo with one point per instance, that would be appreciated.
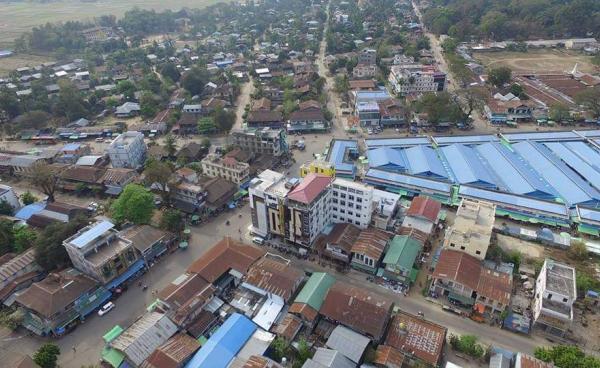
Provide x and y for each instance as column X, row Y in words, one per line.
column 361, row 71
column 261, row 141
column 8, row 194
column 406, row 79
column 367, row 56
column 368, row 113
column 317, row 167
column 555, row 293
column 267, row 199
column 189, row 197
column 127, row 150
column 472, row 229
column 99, row 251
column 228, row 168
column 351, row 203
column 307, row 210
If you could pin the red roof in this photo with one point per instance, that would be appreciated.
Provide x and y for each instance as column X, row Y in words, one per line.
column 458, row 266
column 425, row 207
column 310, row 188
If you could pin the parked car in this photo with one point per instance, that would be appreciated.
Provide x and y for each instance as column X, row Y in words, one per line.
column 106, row 308
column 258, row 240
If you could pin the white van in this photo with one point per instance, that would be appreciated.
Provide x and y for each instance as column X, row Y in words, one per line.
column 258, row 240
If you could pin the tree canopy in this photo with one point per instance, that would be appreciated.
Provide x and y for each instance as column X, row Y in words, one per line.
column 49, row 250
column 47, row 355
column 135, row 204
column 499, row 76
column 567, row 356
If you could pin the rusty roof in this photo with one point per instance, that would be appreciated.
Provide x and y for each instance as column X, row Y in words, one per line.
column 388, row 357
column 414, row 233
column 371, row 242
column 264, row 117
column 495, row 285
column 342, row 235
column 357, row 308
column 185, row 294
column 84, row 174
column 289, row 327
column 15, row 264
column 417, row 336
column 261, row 104
column 309, row 105
column 144, row 236
column 225, row 255
column 276, row 277
column 362, row 84
column 306, row 311
column 527, row 361
column 64, row 208
column 203, row 322
column 424, row 207
column 173, row 353
column 118, row 176
column 56, row 292
column 458, row 266
column 256, row 361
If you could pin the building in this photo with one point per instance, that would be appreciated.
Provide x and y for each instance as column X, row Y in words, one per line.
column 367, row 250
column 58, row 302
column 307, row 210
column 227, row 168
column 261, row 141
column 8, row 195
column 385, row 208
column 307, row 121
column 128, row 150
column 336, row 241
column 342, row 153
column 174, row 353
column 413, row 79
column 351, row 202
column 368, row 113
column 71, row 152
column 145, row 335
column 186, row 297
column 317, row 167
column 350, row 344
column 422, row 214
column 309, row 300
column 399, row 260
column 99, row 251
column 527, row 361
column 362, row 71
column 115, row 180
column 503, row 112
column 392, row 113
column 17, row 272
column 149, row 241
column 267, row 198
column 555, row 293
column 188, row 197
column 472, row 228
column 274, row 277
column 358, row 309
column 367, row 56
column 419, row 340
column 127, row 110
column 328, row 358
column 263, row 119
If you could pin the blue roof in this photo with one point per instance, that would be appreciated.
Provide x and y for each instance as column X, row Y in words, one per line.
column 512, row 172
column 92, row 233
column 572, row 189
column 576, row 162
column 31, row 209
column 386, row 157
column 585, row 152
column 71, row 147
column 465, row 166
column 403, row 180
column 465, row 139
column 396, row 142
column 512, row 200
column 371, row 95
column 553, row 136
column 423, row 160
column 224, row 344
column 337, row 153
column 589, row 214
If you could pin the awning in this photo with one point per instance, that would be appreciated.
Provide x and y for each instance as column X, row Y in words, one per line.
column 112, row 334
column 461, row 299
column 112, row 357
column 413, row 275
column 133, row 269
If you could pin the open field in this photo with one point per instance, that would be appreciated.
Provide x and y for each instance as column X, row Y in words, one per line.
column 536, row 61
column 19, row 17
column 20, row 60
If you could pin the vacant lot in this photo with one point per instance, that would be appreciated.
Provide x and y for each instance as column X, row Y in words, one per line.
column 536, row 61
column 19, row 17
column 20, row 60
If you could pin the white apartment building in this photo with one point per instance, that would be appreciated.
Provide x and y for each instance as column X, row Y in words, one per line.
column 361, row 71
column 414, row 78
column 261, row 141
column 351, row 203
column 267, row 196
column 8, row 194
column 555, row 293
column 228, row 168
column 128, row 150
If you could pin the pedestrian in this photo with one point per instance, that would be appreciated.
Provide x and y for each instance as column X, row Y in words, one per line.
column 74, row 349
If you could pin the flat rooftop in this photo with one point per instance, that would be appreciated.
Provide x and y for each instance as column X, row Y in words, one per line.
column 560, row 278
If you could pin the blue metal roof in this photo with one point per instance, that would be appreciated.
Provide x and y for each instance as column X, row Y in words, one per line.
column 337, row 153
column 465, row 139
column 31, row 209
column 589, row 214
column 371, row 95
column 386, row 157
column 465, row 166
column 585, row 152
column 224, row 344
column 402, row 180
column 506, row 199
column 571, row 189
column 423, row 160
column 552, row 136
column 91, row 234
column 576, row 162
column 71, row 147
column 395, row 142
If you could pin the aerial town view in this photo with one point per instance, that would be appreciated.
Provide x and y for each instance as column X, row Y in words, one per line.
column 300, row 184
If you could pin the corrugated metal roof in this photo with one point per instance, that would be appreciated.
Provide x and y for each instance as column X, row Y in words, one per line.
column 337, row 154
column 396, row 142
column 400, row 180
column 403, row 252
column 388, row 157
column 576, row 162
column 424, row 161
column 314, row 291
column 351, row 344
column 224, row 344
column 94, row 232
column 465, row 167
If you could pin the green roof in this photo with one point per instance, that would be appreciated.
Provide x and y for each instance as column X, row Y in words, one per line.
column 315, row 290
column 112, row 357
column 403, row 252
column 112, row 334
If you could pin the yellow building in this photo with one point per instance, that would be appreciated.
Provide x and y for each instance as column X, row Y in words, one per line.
column 317, row 167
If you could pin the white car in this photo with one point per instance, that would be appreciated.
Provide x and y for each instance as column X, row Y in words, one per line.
column 258, row 240
column 106, row 308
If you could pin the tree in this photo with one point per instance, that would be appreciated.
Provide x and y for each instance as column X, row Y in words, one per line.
column 516, row 89
column 28, row 198
column 135, row 204
column 169, row 70
column 6, row 208
column 7, row 237
column 499, row 76
column 578, row 250
column 49, row 250
column 206, row 125
column 559, row 112
column 149, row 105
column 472, row 99
column 33, row 119
column 47, row 355
column 45, row 178
column 170, row 144
column 467, row 344
column 566, row 356
column 342, row 84
column 280, row 348
column 24, row 238
column 303, row 352
column 70, row 102
column 9, row 102
column 127, row 88
column 172, row 221
column 223, row 119
column 590, row 99
column 205, row 143
column 159, row 174
column 194, row 80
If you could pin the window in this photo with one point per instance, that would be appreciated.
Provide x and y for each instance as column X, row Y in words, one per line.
column 335, row 216
column 359, row 200
column 343, row 195
column 335, row 194
column 549, row 296
column 462, row 247
column 358, row 207
column 343, row 203
column 351, row 197
column 335, row 201
column 357, row 222
column 478, row 252
column 452, row 245
column 350, row 213
column 342, row 210
column 565, row 300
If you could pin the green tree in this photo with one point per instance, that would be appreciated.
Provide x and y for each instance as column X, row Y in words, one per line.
column 35, row 119
column 566, row 356
column 205, row 143
column 194, row 80
column 28, row 198
column 24, row 238
column 135, row 204
column 304, row 352
column 223, row 119
column 149, row 105
column 172, row 221
column 467, row 344
column 50, row 253
column 280, row 348
column 499, row 76
column 127, row 88
column 559, row 112
column 206, row 125
column 6, row 208
column 7, row 237
column 9, row 102
column 159, row 174
column 169, row 70
column 170, row 144
column 45, row 178
column 589, row 98
column 47, row 355
column 70, row 102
